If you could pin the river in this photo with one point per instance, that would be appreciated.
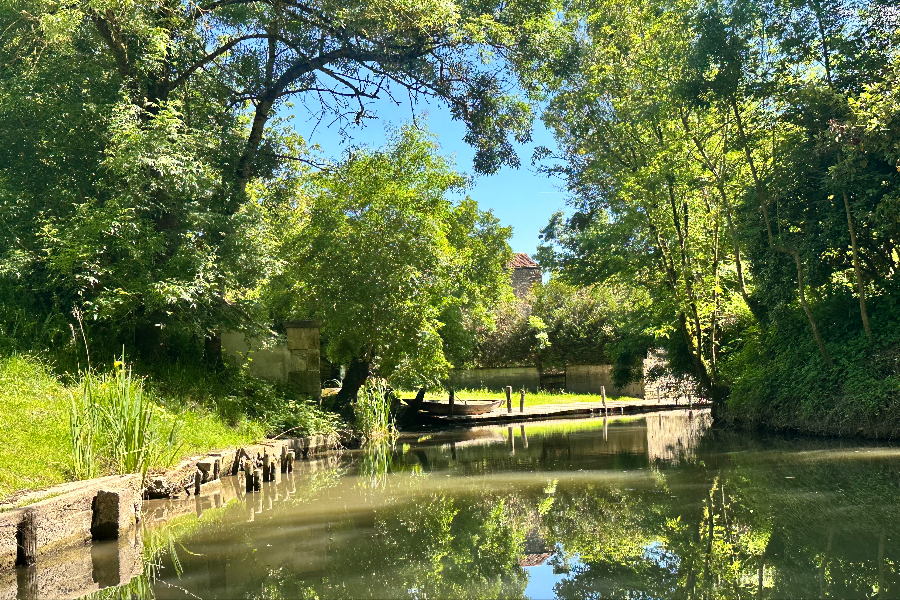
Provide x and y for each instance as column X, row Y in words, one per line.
column 657, row 506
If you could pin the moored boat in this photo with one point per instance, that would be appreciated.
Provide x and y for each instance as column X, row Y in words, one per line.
column 460, row 407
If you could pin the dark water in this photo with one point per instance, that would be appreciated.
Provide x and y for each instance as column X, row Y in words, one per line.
column 652, row 507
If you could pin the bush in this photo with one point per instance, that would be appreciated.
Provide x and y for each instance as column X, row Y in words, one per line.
column 780, row 380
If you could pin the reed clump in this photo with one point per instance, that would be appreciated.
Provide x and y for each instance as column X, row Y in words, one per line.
column 375, row 409
column 113, row 426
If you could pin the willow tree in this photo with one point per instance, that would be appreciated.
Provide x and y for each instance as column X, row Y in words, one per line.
column 391, row 265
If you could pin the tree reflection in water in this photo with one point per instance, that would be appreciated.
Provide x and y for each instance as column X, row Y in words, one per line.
column 648, row 508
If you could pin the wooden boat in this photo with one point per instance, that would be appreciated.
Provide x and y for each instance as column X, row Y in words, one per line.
column 460, row 407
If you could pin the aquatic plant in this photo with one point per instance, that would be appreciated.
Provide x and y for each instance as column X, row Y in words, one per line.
column 113, row 423
column 82, row 430
column 375, row 409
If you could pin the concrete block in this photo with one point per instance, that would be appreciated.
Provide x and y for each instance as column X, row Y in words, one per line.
column 9, row 523
column 209, row 468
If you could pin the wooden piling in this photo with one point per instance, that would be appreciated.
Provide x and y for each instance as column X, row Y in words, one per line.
column 452, row 401
column 603, row 397
column 522, row 401
column 267, row 468
column 257, row 475
column 289, row 467
column 248, row 474
column 509, row 398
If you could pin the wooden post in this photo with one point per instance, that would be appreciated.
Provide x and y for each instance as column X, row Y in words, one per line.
column 658, row 399
column 257, row 475
column 452, row 400
column 248, row 474
column 522, row 401
column 26, row 540
column 290, row 461
column 198, row 479
column 267, row 467
column 509, row 398
column 603, row 396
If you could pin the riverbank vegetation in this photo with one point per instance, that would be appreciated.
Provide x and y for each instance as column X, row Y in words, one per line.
column 738, row 162
column 42, row 416
column 732, row 171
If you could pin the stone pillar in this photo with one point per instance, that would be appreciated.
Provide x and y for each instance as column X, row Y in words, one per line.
column 303, row 344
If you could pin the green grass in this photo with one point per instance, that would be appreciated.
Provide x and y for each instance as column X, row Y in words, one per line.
column 531, row 398
column 34, row 427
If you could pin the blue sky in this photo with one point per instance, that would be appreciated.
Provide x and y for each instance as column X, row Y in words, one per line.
column 519, row 197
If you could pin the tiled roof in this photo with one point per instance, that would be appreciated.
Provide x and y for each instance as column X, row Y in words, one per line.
column 522, row 261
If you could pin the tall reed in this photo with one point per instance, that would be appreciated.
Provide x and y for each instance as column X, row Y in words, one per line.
column 374, row 409
column 127, row 416
column 113, row 424
column 83, row 428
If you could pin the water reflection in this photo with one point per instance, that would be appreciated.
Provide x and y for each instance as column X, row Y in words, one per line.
column 654, row 507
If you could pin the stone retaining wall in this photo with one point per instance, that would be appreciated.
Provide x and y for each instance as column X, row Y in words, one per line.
column 588, row 379
column 496, row 379
column 577, row 379
column 71, row 516
column 98, row 509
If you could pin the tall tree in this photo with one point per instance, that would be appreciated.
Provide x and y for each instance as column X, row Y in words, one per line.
column 389, row 262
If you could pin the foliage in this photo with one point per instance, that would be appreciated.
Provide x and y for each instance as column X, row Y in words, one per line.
column 146, row 145
column 375, row 409
column 563, row 323
column 391, row 266
column 737, row 161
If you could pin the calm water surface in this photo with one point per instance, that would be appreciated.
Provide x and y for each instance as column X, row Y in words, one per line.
column 652, row 507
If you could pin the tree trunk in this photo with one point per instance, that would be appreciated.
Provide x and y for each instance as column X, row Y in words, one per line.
column 356, row 376
column 860, row 283
column 801, row 285
column 761, row 197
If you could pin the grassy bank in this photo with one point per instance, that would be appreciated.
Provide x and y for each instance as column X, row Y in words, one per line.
column 36, row 407
column 531, row 398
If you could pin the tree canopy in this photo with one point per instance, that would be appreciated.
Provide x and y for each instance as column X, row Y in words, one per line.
column 146, row 141
column 732, row 158
column 391, row 265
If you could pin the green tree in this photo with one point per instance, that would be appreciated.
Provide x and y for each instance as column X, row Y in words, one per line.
column 391, row 265
column 144, row 148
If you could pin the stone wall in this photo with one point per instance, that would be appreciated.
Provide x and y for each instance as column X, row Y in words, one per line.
column 523, row 279
column 587, row 379
column 496, row 379
column 272, row 363
column 293, row 359
column 303, row 344
column 579, row 379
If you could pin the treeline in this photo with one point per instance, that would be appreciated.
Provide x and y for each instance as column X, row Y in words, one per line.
column 150, row 180
column 740, row 161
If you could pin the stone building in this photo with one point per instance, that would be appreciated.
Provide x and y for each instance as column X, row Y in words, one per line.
column 525, row 274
